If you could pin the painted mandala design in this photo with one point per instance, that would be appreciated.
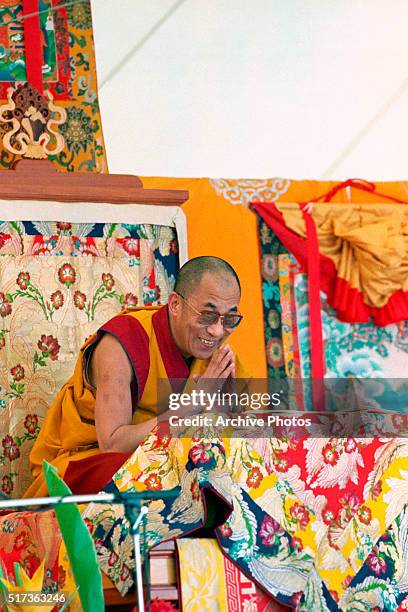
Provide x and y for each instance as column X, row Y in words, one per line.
column 77, row 130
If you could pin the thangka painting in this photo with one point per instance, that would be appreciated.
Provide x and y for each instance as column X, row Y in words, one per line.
column 12, row 48
column 49, row 43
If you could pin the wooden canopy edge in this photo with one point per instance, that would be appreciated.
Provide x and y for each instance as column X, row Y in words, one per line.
column 39, row 180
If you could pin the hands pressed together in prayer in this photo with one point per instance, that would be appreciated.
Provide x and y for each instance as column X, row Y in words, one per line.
column 220, row 368
column 112, row 375
column 202, row 312
column 222, row 365
column 200, row 396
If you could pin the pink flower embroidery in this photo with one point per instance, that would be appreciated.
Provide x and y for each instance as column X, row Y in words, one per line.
column 131, row 246
column 280, row 464
column 11, row 450
column 199, row 453
column 17, row 372
column 57, row 299
column 62, row 226
column 350, row 445
column 130, row 300
column 375, row 563
column 153, row 482
column 350, row 501
column 31, row 423
column 7, row 485
column 79, row 300
column 328, row 517
column 269, row 531
column 365, row 515
column 296, row 543
column 23, row 280
column 108, row 281
column 49, row 346
column 254, row 478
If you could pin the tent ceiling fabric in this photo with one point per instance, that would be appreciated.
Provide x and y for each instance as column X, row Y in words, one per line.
column 254, row 89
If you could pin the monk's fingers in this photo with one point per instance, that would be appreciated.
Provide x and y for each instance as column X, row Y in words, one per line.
column 222, row 359
column 229, row 368
column 219, row 355
column 227, row 362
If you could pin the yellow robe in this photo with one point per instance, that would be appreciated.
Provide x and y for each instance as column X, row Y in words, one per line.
column 69, row 433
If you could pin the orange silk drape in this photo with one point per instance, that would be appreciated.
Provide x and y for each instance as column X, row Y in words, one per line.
column 219, row 226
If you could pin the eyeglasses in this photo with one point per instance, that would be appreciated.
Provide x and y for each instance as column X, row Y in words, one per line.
column 210, row 317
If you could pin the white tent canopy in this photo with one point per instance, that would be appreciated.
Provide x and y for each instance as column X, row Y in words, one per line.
column 260, row 88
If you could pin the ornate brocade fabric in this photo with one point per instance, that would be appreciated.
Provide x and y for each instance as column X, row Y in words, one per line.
column 59, row 282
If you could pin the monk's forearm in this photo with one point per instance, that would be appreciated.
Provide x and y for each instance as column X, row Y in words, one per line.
column 126, row 438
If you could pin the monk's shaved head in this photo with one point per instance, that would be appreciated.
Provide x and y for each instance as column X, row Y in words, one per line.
column 191, row 274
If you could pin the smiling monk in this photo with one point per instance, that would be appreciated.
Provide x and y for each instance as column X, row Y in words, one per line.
column 102, row 414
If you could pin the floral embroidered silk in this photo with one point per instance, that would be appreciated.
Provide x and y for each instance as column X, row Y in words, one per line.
column 59, row 281
column 314, row 522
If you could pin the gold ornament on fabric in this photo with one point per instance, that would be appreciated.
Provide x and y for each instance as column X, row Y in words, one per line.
column 31, row 120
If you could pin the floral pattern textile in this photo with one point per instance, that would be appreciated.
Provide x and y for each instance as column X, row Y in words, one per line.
column 351, row 349
column 358, row 350
column 31, row 539
column 306, row 517
column 209, row 581
column 59, row 282
column 271, row 248
column 68, row 70
column 350, row 492
column 28, row 538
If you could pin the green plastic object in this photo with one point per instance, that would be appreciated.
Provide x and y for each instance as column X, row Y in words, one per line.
column 79, row 544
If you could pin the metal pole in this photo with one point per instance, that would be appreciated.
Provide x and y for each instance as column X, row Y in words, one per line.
column 138, row 573
column 134, row 529
column 103, row 498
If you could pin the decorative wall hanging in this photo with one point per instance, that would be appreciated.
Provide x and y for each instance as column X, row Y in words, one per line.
column 356, row 253
column 49, row 45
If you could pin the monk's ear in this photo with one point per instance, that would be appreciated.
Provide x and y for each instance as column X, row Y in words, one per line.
column 174, row 303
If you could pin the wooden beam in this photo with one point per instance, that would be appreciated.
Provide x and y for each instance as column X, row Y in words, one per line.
column 39, row 180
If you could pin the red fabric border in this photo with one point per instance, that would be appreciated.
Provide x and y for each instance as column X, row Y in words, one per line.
column 348, row 302
column 32, row 43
